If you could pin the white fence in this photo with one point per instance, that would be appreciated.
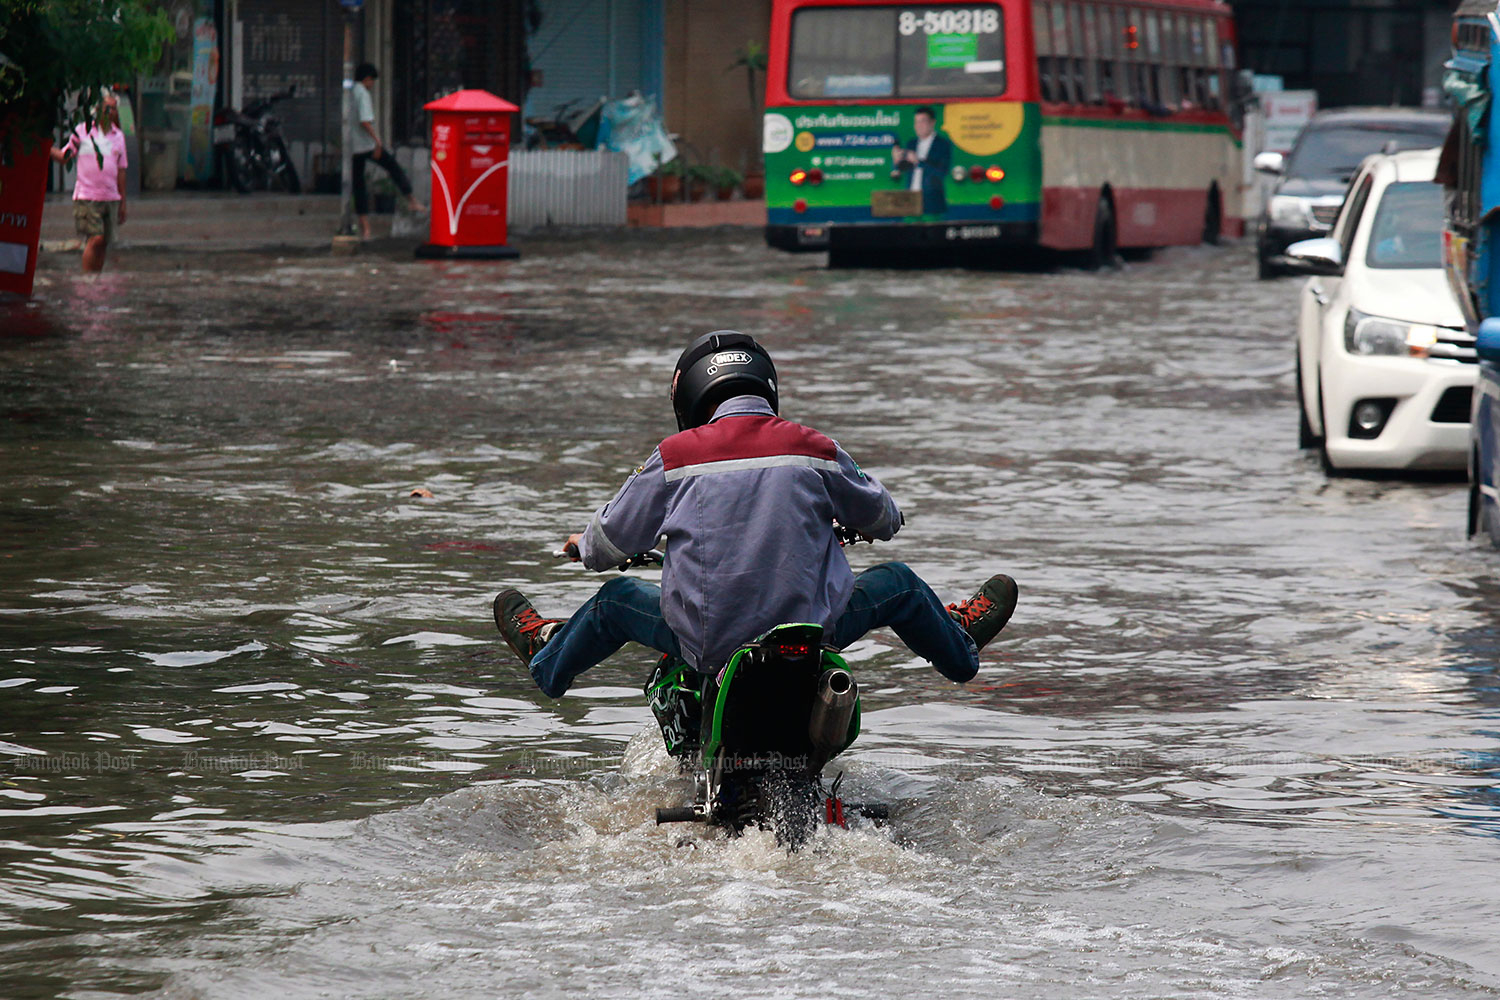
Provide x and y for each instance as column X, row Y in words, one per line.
column 560, row 187
column 548, row 187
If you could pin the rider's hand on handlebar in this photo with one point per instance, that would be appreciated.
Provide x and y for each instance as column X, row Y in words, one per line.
column 570, row 547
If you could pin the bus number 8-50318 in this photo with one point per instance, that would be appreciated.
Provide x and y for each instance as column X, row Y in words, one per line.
column 984, row 21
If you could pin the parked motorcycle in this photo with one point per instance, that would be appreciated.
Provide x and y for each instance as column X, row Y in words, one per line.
column 758, row 734
column 251, row 148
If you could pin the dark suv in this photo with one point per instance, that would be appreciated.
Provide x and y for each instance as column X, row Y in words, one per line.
column 1311, row 179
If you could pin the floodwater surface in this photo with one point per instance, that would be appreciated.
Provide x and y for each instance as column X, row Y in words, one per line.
column 258, row 736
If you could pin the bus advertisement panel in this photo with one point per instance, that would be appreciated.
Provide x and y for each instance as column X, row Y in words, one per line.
column 1062, row 123
column 975, row 172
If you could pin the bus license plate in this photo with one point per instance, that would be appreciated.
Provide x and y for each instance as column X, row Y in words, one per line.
column 973, row 232
column 893, row 204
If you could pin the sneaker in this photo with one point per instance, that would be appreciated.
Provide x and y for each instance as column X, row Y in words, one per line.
column 524, row 630
column 985, row 614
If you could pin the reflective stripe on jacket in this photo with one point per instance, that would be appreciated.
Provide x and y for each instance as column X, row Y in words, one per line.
column 746, row 503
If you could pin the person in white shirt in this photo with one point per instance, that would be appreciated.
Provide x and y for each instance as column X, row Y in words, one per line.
column 367, row 147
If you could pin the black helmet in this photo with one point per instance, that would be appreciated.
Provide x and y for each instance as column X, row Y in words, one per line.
column 716, row 367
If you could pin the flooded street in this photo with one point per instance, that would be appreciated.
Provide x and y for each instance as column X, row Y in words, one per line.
column 258, row 736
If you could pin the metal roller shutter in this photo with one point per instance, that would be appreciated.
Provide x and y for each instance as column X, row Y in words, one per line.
column 586, row 49
column 293, row 41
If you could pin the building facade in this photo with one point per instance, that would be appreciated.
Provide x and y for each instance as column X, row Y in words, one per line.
column 1352, row 52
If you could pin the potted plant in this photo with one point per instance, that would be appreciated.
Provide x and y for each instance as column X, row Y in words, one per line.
column 751, row 57
column 700, row 177
column 666, row 183
column 725, row 181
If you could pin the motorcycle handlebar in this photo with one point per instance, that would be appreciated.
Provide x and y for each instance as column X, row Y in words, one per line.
column 651, row 558
column 845, row 535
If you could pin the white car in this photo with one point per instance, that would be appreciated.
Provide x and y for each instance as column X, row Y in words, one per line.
column 1385, row 367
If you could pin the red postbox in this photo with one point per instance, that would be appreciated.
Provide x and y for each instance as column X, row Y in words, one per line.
column 23, row 182
column 470, row 152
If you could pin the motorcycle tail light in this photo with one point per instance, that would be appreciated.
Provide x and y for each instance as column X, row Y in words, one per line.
column 793, row 651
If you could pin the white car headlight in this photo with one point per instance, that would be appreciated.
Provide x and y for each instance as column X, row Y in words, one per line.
column 1366, row 334
column 1291, row 211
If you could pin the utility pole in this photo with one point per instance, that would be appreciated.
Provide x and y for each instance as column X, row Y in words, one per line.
column 346, row 241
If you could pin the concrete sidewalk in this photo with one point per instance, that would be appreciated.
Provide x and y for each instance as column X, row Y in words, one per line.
column 217, row 220
column 212, row 220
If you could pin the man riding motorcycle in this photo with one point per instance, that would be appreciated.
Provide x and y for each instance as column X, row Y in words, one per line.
column 747, row 503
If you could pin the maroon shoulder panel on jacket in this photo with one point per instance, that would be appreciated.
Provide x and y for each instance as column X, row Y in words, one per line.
column 737, row 437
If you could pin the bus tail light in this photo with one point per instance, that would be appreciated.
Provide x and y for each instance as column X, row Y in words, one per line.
column 995, row 174
column 958, row 174
column 976, row 173
column 815, row 176
column 997, row 202
column 800, row 205
column 798, row 176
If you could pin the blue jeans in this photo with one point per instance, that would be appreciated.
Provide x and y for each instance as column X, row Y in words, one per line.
column 629, row 610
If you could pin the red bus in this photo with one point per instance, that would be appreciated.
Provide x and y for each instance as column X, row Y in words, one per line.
column 1066, row 124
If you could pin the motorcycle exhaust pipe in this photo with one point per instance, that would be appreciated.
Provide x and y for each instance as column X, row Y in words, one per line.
column 833, row 707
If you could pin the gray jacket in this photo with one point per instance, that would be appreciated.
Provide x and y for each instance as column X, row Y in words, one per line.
column 746, row 503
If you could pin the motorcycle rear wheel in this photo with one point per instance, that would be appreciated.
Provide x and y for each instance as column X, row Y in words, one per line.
column 239, row 165
column 283, row 172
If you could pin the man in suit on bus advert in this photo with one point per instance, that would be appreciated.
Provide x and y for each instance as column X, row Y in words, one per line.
column 927, row 157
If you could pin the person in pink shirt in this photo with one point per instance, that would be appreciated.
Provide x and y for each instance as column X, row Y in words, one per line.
column 99, row 192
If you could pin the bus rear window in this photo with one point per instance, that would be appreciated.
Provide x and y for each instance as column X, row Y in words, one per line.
column 915, row 52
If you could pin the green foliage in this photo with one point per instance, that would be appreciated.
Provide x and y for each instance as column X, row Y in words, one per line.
column 751, row 56
column 57, row 58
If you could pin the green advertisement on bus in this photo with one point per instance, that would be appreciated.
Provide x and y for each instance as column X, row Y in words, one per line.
column 969, row 163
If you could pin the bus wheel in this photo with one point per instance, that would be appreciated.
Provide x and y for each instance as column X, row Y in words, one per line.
column 1103, row 252
column 1213, row 216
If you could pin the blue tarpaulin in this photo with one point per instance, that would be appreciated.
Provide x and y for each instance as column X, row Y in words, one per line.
column 632, row 126
column 1466, row 82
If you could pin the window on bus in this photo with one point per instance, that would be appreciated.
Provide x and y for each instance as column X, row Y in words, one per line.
column 1170, row 71
column 843, row 52
column 1046, row 58
column 896, row 51
column 1090, row 36
column 1211, row 47
column 950, row 51
column 1078, row 74
column 1135, row 86
column 1063, row 51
